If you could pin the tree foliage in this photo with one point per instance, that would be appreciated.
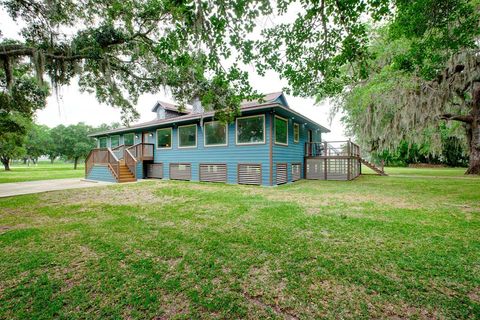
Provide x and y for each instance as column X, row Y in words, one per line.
column 424, row 69
column 119, row 50
column 72, row 142
column 37, row 141
column 19, row 100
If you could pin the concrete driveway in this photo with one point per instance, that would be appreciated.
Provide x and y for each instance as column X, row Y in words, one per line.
column 18, row 188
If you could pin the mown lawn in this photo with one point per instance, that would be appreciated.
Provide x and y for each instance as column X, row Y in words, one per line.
column 376, row 247
column 43, row 171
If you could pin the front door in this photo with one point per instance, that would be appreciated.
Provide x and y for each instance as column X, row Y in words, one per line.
column 147, row 138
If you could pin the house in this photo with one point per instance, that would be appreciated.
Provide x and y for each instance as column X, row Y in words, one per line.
column 268, row 144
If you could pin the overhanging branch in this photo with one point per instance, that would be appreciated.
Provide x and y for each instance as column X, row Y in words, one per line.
column 461, row 118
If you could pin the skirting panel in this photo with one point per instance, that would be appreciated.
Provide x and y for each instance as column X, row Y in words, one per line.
column 315, row 169
column 180, row 171
column 155, row 170
column 296, row 169
column 213, row 172
column 250, row 174
column 282, row 173
column 332, row 169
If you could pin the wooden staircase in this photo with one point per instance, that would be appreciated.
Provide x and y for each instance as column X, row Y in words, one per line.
column 125, row 175
column 373, row 167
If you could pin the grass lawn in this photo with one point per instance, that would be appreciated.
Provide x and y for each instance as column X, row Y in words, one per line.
column 43, row 171
column 376, row 247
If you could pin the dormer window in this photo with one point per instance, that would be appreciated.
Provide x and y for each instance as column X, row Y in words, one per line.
column 160, row 113
column 165, row 110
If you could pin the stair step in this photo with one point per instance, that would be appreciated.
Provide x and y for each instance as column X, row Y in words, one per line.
column 373, row 167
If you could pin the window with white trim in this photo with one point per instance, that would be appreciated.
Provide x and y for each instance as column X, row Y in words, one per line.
column 187, row 136
column 164, row 138
column 128, row 139
column 114, row 141
column 281, row 130
column 250, row 130
column 215, row 134
column 102, row 142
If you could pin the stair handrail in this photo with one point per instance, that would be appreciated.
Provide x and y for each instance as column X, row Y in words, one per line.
column 130, row 162
column 374, row 167
column 89, row 164
column 139, row 152
column 118, row 150
column 113, row 163
column 138, row 155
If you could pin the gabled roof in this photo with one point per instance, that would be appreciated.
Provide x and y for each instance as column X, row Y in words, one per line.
column 268, row 98
column 169, row 106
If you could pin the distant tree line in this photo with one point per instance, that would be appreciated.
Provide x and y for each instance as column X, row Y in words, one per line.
column 68, row 142
column 454, row 154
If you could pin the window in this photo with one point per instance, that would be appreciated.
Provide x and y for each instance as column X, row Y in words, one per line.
column 281, row 130
column 296, row 132
column 102, row 142
column 164, row 138
column 187, row 136
column 128, row 139
column 114, row 141
column 215, row 134
column 251, row 130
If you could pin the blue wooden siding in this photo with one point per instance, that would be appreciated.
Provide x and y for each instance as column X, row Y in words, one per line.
column 101, row 173
column 294, row 152
column 139, row 173
column 231, row 154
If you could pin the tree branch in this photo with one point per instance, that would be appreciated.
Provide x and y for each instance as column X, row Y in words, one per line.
column 461, row 118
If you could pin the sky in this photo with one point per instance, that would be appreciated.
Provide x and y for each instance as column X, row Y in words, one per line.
column 71, row 106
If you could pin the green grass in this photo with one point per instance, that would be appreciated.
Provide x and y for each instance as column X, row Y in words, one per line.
column 375, row 247
column 43, row 171
column 430, row 172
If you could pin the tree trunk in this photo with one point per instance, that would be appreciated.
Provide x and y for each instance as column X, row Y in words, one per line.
column 473, row 139
column 75, row 161
column 473, row 135
column 6, row 163
column 52, row 159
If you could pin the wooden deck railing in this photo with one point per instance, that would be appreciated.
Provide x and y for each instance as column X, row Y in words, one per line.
column 130, row 162
column 111, row 157
column 102, row 156
column 142, row 151
column 332, row 149
column 118, row 151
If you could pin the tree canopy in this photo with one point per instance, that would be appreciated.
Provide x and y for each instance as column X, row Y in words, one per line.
column 119, row 50
column 423, row 68
column 18, row 103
